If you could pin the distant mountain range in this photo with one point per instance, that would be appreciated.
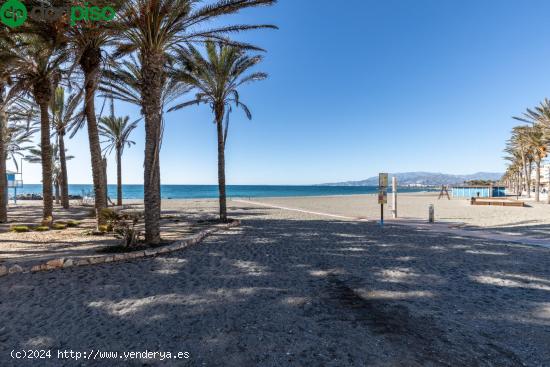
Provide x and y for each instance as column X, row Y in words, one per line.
column 423, row 179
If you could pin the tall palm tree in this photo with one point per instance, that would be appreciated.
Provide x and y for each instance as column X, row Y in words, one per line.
column 217, row 79
column 514, row 171
column 117, row 131
column 154, row 29
column 539, row 137
column 63, row 115
column 121, row 81
column 6, row 59
column 88, row 40
column 37, row 62
column 537, row 143
column 520, row 144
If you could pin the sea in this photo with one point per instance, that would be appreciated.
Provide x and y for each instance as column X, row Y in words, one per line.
column 211, row 191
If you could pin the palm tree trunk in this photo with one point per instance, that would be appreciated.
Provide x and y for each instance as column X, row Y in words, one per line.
column 525, row 176
column 521, row 184
column 90, row 62
column 46, row 149
column 64, row 177
column 221, row 164
column 104, row 167
column 118, row 177
column 529, row 171
column 537, row 181
column 3, row 156
column 56, row 188
column 153, row 76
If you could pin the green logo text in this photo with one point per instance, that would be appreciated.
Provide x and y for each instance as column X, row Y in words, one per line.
column 13, row 13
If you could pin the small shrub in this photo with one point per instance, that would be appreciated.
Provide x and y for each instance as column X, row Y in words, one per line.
column 108, row 215
column 72, row 223
column 42, row 228
column 20, row 229
column 103, row 228
column 125, row 229
column 59, row 226
column 122, row 224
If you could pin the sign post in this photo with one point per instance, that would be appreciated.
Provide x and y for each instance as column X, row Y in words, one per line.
column 394, row 196
column 382, row 194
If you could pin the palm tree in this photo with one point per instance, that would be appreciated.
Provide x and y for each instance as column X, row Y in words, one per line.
column 20, row 117
column 121, row 81
column 154, row 29
column 538, row 138
column 217, row 79
column 537, row 143
column 117, row 131
column 23, row 123
column 35, row 156
column 63, row 115
column 6, row 58
column 519, row 143
column 514, row 171
column 37, row 62
column 17, row 138
column 88, row 40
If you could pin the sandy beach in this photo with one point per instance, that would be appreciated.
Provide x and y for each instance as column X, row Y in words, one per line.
column 532, row 220
column 292, row 288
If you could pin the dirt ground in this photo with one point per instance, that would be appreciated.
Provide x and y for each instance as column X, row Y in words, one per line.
column 30, row 248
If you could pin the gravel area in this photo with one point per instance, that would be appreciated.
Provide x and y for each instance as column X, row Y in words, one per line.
column 31, row 248
column 292, row 289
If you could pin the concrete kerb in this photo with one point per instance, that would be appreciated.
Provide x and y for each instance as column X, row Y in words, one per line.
column 64, row 263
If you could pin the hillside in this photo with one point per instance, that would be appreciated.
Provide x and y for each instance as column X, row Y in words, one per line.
column 423, row 179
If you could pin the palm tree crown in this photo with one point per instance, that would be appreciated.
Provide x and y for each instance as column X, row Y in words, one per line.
column 217, row 77
column 117, row 131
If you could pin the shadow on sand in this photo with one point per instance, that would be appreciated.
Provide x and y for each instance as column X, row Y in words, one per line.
column 283, row 292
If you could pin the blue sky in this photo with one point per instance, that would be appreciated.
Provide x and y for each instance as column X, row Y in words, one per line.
column 362, row 86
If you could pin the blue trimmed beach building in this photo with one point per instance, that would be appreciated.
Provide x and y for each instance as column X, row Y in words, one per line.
column 14, row 181
column 478, row 192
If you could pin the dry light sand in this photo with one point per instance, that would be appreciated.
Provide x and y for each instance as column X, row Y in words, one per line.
column 296, row 289
column 532, row 220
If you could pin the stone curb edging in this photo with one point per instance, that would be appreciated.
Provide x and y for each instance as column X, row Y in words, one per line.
column 68, row 262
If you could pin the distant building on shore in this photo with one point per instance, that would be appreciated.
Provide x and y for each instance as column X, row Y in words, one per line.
column 478, row 191
column 14, row 181
column 544, row 176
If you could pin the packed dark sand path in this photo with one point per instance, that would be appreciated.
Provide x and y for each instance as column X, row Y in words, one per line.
column 292, row 289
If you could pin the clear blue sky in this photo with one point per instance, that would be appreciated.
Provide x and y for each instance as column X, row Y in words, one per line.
column 362, row 86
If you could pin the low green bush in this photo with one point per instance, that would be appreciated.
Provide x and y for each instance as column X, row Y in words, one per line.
column 108, row 215
column 104, row 228
column 72, row 223
column 42, row 228
column 59, row 226
column 20, row 229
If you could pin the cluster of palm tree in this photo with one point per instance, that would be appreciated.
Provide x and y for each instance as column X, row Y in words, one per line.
column 154, row 53
column 527, row 148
